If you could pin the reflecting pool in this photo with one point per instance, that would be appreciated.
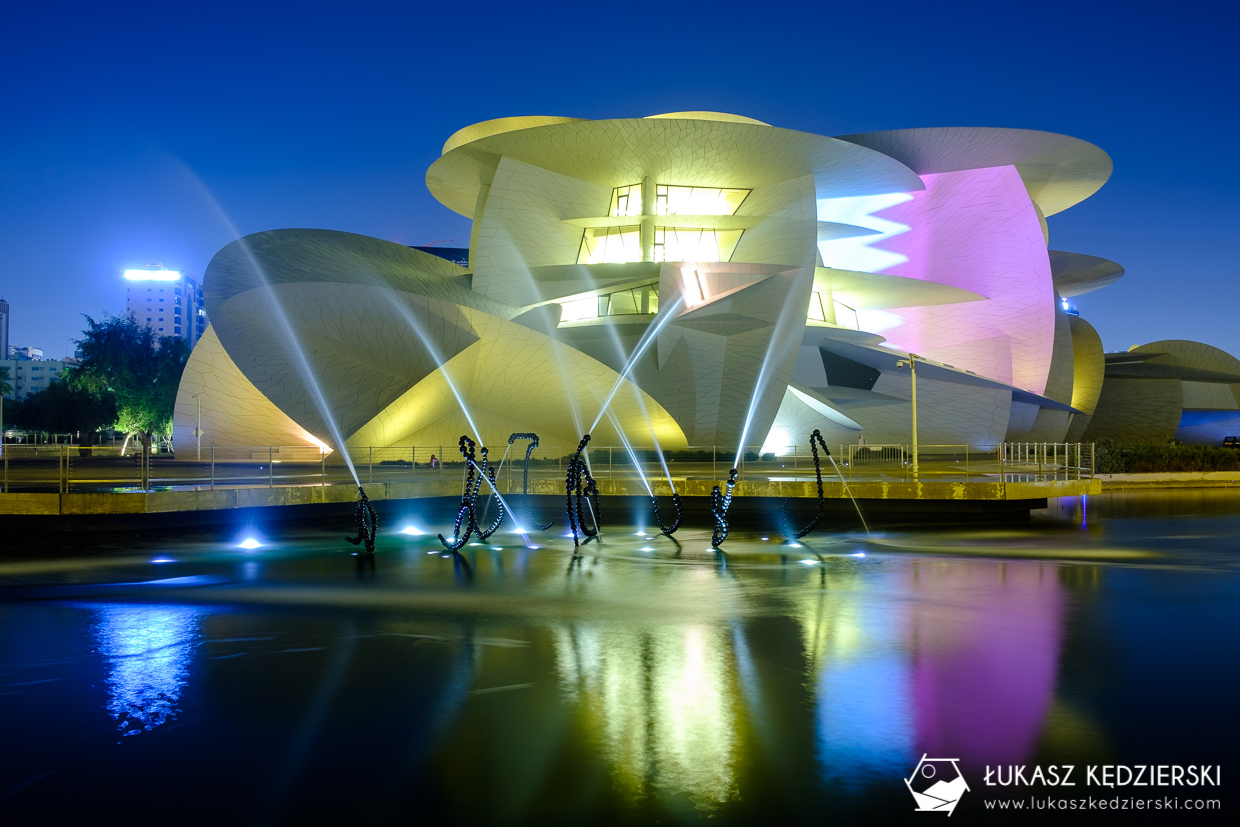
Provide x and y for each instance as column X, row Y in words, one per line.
column 189, row 679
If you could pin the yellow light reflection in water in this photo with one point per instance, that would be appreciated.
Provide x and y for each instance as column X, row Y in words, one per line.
column 662, row 704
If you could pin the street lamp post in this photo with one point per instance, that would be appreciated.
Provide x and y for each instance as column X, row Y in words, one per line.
column 911, row 361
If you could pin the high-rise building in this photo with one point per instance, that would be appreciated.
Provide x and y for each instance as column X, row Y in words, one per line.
column 4, row 329
column 167, row 301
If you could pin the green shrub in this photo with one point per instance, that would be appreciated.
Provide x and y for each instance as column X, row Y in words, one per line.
column 1154, row 458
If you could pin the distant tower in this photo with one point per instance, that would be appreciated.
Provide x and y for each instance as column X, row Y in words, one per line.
column 168, row 302
column 4, row 329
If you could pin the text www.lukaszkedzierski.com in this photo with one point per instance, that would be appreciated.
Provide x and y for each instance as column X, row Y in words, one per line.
column 1091, row 803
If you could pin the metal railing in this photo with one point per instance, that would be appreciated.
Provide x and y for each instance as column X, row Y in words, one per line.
column 77, row 469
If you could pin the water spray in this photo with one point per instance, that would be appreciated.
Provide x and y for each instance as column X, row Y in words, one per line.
column 525, row 478
column 579, row 485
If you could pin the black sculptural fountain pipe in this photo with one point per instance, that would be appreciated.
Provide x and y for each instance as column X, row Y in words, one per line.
column 658, row 518
column 815, row 439
column 719, row 503
column 468, row 512
column 366, row 520
column 525, row 478
column 579, row 485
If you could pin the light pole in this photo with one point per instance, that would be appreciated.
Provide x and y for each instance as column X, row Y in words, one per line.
column 197, row 427
column 911, row 361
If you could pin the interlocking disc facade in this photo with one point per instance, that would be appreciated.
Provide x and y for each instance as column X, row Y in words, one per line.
column 771, row 281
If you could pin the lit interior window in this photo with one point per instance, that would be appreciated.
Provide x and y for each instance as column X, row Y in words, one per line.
column 846, row 316
column 610, row 245
column 632, row 302
column 670, row 200
column 816, row 313
column 635, row 301
column 694, row 244
column 579, row 309
column 626, row 201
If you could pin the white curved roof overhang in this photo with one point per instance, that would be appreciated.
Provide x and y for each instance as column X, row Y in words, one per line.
column 875, row 291
column 1075, row 274
column 682, row 151
column 1058, row 170
column 297, row 256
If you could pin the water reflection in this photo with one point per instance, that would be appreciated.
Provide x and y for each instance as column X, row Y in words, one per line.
column 855, row 643
column 663, row 703
column 148, row 650
column 984, row 640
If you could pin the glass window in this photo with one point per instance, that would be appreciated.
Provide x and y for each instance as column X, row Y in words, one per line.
column 815, row 307
column 610, row 245
column 672, row 200
column 846, row 316
column 694, row 244
column 634, row 301
column 579, row 310
column 626, row 201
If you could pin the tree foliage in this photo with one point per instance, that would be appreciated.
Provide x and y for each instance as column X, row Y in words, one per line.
column 121, row 360
column 66, row 407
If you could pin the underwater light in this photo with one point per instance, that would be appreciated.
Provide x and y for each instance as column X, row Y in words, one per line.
column 810, row 562
column 858, row 554
column 163, row 560
column 250, row 542
column 411, row 531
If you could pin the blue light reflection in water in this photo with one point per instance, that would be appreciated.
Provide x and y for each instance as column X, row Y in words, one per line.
column 148, row 651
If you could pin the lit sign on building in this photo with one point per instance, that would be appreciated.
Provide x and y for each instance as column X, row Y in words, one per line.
column 152, row 275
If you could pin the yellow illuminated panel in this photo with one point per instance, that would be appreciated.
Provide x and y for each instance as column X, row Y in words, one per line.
column 694, row 244
column 626, row 201
column 610, row 245
column 670, row 200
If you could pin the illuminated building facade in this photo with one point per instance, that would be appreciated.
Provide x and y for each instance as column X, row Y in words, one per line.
column 168, row 302
column 770, row 280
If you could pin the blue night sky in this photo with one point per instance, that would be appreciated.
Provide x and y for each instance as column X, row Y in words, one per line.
column 136, row 133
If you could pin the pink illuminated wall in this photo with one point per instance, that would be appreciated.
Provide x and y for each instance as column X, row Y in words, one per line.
column 978, row 230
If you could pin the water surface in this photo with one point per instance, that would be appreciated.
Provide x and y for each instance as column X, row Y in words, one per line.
column 187, row 679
